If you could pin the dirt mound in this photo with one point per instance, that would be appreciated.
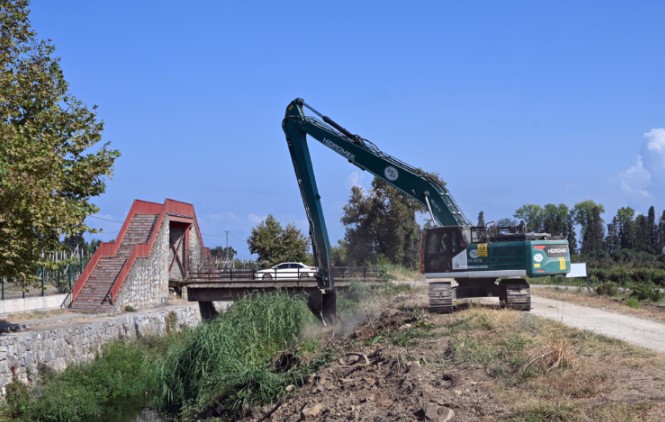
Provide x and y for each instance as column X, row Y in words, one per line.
column 376, row 380
column 478, row 364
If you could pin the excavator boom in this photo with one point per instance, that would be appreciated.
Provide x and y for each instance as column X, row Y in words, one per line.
column 454, row 249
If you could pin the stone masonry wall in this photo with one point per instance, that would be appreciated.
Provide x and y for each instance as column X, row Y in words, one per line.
column 196, row 260
column 147, row 283
column 22, row 353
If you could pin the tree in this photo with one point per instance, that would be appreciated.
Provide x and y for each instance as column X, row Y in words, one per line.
column 481, row 219
column 274, row 244
column 660, row 236
column 653, row 228
column 506, row 222
column 587, row 215
column 643, row 234
column 225, row 253
column 532, row 216
column 381, row 225
column 555, row 220
column 613, row 239
column 51, row 160
column 592, row 240
column 625, row 217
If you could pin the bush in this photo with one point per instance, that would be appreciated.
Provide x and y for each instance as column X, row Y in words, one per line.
column 607, row 288
column 17, row 398
column 646, row 291
column 84, row 391
column 632, row 302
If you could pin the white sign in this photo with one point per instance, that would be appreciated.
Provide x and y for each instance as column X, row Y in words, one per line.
column 577, row 270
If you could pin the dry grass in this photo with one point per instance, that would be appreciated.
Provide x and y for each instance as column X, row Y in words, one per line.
column 31, row 315
column 547, row 371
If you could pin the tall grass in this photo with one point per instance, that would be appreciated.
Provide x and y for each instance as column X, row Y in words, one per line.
column 227, row 363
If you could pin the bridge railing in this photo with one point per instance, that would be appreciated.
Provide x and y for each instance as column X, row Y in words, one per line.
column 343, row 273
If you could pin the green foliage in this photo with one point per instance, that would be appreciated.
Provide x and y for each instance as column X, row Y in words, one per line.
column 51, row 160
column 646, row 291
column 633, row 302
column 227, row 363
column 381, row 223
column 17, row 398
column 531, row 216
column 623, row 275
column 274, row 244
column 607, row 288
column 85, row 391
column 226, row 253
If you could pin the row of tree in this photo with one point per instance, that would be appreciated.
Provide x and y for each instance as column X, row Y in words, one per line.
column 627, row 238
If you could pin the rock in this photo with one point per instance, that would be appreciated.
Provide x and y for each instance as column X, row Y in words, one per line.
column 436, row 413
column 290, row 388
column 310, row 413
column 414, row 367
column 405, row 327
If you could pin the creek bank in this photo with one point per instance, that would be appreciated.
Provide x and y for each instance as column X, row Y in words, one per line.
column 60, row 342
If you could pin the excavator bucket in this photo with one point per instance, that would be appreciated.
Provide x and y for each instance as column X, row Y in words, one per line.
column 323, row 304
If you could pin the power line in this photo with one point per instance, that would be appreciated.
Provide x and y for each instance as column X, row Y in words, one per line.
column 106, row 219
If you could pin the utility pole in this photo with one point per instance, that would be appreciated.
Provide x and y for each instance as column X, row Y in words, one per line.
column 226, row 250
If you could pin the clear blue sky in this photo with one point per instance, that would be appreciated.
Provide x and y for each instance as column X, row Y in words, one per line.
column 511, row 102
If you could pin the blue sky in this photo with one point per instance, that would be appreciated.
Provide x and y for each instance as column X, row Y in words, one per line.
column 511, row 102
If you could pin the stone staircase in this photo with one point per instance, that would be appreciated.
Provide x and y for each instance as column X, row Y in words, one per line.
column 92, row 298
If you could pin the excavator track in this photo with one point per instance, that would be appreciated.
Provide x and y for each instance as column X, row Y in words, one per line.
column 517, row 294
column 441, row 297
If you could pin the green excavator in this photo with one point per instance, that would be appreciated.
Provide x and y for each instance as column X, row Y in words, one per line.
column 458, row 259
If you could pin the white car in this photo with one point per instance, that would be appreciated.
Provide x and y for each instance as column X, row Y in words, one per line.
column 287, row 270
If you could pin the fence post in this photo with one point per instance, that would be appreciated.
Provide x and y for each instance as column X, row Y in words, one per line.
column 69, row 275
column 43, row 281
column 2, row 280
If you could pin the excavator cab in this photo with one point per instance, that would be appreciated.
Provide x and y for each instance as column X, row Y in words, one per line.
column 441, row 245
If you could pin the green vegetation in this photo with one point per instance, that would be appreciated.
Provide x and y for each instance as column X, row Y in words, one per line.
column 380, row 226
column 274, row 244
column 227, row 364
column 52, row 157
column 119, row 374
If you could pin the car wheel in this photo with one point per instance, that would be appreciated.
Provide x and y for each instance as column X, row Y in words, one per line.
column 267, row 277
column 305, row 276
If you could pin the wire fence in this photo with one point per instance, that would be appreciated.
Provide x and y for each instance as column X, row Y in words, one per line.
column 63, row 270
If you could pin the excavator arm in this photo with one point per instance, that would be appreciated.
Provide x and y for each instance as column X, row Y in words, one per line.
column 365, row 155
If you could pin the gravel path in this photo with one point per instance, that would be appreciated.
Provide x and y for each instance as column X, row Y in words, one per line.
column 641, row 332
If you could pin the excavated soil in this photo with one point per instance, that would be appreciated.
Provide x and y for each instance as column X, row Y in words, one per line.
column 375, row 379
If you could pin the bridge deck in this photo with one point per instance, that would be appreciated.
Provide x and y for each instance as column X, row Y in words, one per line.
column 208, row 289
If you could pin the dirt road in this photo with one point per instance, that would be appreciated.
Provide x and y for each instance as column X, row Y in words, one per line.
column 641, row 332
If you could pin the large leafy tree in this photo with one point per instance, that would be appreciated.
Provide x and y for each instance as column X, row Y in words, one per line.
column 531, row 216
column 274, row 244
column 51, row 160
column 381, row 224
